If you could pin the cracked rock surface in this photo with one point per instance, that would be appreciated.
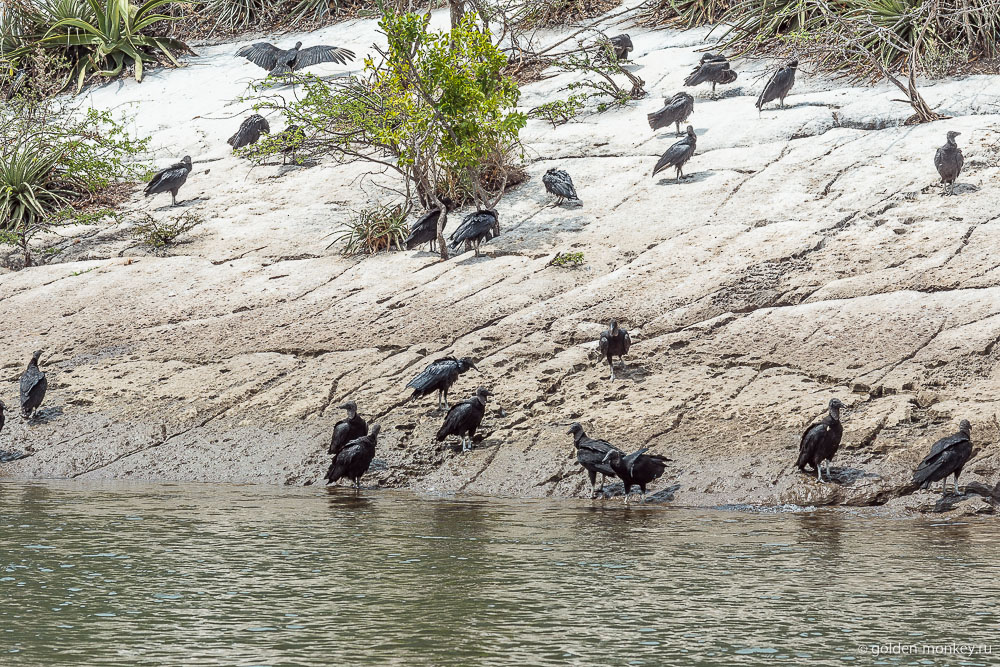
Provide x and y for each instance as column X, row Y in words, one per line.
column 810, row 255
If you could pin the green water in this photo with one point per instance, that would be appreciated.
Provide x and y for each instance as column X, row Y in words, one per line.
column 128, row 574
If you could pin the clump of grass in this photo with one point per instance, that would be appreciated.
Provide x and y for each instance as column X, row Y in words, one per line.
column 159, row 234
column 374, row 229
column 567, row 260
column 554, row 13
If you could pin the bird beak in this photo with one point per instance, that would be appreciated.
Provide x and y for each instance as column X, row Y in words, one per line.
column 475, row 368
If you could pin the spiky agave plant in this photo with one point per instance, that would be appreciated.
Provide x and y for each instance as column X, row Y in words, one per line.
column 374, row 229
column 240, row 14
column 29, row 192
column 112, row 39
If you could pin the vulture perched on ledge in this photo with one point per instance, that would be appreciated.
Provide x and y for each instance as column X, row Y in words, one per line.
column 821, row 441
column 777, row 88
column 712, row 69
column 439, row 376
column 33, row 386
column 614, row 342
column 464, row 418
column 947, row 457
column 249, row 132
column 675, row 111
column 559, row 183
column 678, row 154
column 170, row 179
column 949, row 161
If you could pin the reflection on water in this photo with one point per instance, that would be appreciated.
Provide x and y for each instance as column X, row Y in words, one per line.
column 165, row 574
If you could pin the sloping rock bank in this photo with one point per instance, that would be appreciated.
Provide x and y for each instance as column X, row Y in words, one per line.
column 810, row 256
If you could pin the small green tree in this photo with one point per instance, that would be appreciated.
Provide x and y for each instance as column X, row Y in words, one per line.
column 435, row 108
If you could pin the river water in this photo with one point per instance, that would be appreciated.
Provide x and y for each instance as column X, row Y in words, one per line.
column 154, row 574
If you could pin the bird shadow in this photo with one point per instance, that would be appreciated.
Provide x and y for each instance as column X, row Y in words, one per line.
column 721, row 94
column 45, row 415
column 346, row 497
column 8, row 456
column 798, row 105
column 617, row 490
column 963, row 188
column 181, row 204
column 688, row 178
column 842, row 476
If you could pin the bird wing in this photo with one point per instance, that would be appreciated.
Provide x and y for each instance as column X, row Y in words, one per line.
column 322, row 54
column 945, row 460
column 559, row 183
column 165, row 179
column 604, row 343
column 474, row 226
column 708, row 71
column 678, row 153
column 261, row 54
column 29, row 379
column 341, row 436
column 250, row 131
column 946, row 443
column 428, row 378
column 626, row 342
column 939, row 157
column 633, row 457
column 455, row 419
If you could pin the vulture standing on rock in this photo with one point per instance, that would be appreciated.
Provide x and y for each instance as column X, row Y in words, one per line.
column 948, row 456
column 170, row 179
column 678, row 154
column 349, row 429
column 249, row 132
column 712, row 69
column 3, row 407
column 290, row 139
column 464, row 418
column 439, row 377
column 354, row 459
column 590, row 454
column 279, row 61
column 475, row 229
column 821, row 441
column 675, row 111
column 779, row 85
column 636, row 468
column 559, row 183
column 424, row 230
column 949, row 161
column 33, row 386
column 614, row 342
column 622, row 45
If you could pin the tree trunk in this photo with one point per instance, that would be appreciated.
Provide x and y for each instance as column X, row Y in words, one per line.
column 457, row 12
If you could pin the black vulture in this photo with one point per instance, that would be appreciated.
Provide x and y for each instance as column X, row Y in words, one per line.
column 33, row 386
column 290, row 140
column 678, row 154
column 424, row 230
column 559, row 183
column 3, row 407
column 821, row 440
column 615, row 342
column 636, row 468
column 279, row 61
column 249, row 132
column 476, row 228
column 464, row 418
column 948, row 456
column 712, row 69
column 349, row 429
column 779, row 85
column 675, row 111
column 949, row 161
column 622, row 46
column 354, row 459
column 170, row 179
column 439, row 377
column 590, row 454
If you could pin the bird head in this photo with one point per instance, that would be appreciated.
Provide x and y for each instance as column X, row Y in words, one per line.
column 965, row 427
column 793, row 64
column 952, row 135
column 690, row 131
column 351, row 407
column 373, row 431
column 575, row 429
column 35, row 356
column 187, row 160
column 298, row 45
column 483, row 393
column 613, row 326
column 467, row 363
column 835, row 403
column 448, row 203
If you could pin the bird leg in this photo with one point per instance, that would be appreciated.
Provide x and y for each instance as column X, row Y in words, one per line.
column 819, row 471
column 678, row 128
column 173, row 197
column 956, row 483
column 828, row 470
column 611, row 365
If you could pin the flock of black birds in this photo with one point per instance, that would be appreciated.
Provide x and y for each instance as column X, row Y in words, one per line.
column 353, row 443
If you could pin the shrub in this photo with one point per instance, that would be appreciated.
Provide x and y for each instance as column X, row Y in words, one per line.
column 56, row 164
column 559, row 112
column 158, row 234
column 374, row 229
column 567, row 260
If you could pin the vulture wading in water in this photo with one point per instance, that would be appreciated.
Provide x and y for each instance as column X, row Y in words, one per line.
column 170, row 179
column 249, row 132
column 712, row 69
column 675, row 111
column 559, row 183
column 464, row 418
column 33, row 386
column 439, row 376
column 354, row 459
column 636, row 468
column 477, row 228
column 280, row 61
column 349, row 429
column 678, row 154
column 591, row 453
column 779, row 85
column 947, row 457
column 949, row 161
column 424, row 230
column 821, row 441
column 614, row 342
column 622, row 46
